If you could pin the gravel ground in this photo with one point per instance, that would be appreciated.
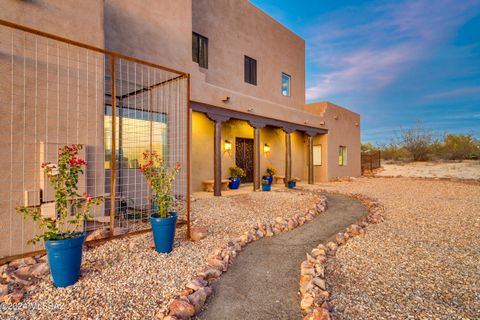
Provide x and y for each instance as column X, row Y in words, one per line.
column 423, row 262
column 127, row 279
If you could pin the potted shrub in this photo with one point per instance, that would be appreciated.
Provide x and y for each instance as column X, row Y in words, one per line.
column 266, row 186
column 236, row 173
column 291, row 183
column 269, row 173
column 163, row 221
column 63, row 241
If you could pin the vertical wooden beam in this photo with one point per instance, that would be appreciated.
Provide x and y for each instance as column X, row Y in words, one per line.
column 310, row 159
column 217, row 159
column 288, row 156
column 256, row 158
column 113, row 160
column 189, row 137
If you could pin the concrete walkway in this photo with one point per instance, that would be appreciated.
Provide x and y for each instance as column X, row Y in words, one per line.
column 263, row 282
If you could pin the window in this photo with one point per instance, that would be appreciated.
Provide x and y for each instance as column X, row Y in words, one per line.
column 342, row 156
column 285, row 85
column 134, row 135
column 200, row 50
column 250, row 70
column 317, row 155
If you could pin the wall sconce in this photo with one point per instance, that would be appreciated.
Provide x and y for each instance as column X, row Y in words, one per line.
column 322, row 123
column 335, row 117
column 266, row 149
column 356, row 124
column 226, row 99
column 227, row 146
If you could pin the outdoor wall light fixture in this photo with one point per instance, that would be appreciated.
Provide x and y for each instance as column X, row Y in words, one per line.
column 322, row 123
column 226, row 99
column 227, row 146
column 266, row 149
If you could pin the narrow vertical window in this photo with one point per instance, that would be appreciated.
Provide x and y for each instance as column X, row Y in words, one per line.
column 317, row 155
column 200, row 50
column 342, row 155
column 285, row 85
column 250, row 70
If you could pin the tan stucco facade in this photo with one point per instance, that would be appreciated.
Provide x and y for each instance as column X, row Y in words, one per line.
column 161, row 32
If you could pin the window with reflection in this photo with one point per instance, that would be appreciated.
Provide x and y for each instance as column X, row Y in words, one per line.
column 136, row 131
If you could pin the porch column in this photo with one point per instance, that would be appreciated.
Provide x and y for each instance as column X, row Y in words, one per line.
column 288, row 153
column 217, row 153
column 311, row 135
column 257, row 125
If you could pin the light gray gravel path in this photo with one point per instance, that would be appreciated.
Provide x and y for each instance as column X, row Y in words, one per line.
column 263, row 281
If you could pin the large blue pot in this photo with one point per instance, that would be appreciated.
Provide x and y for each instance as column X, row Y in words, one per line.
column 163, row 230
column 291, row 184
column 234, row 183
column 266, row 187
column 269, row 179
column 65, row 258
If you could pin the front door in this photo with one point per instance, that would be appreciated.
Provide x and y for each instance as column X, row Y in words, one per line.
column 244, row 157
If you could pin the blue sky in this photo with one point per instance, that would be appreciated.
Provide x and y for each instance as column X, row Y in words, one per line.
column 394, row 62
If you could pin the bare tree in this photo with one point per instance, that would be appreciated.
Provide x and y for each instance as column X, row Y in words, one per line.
column 417, row 140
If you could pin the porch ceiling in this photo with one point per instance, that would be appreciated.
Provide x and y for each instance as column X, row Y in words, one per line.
column 222, row 114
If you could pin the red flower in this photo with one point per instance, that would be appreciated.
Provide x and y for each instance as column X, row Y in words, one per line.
column 88, row 198
column 177, row 166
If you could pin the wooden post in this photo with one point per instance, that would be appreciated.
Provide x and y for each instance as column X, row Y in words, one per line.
column 310, row 159
column 256, row 158
column 113, row 160
column 288, row 155
column 217, row 159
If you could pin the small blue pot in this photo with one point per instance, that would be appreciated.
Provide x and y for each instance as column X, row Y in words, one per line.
column 163, row 230
column 65, row 258
column 291, row 184
column 268, row 178
column 234, row 183
column 266, row 187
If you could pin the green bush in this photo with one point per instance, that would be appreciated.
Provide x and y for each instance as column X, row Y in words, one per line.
column 459, row 147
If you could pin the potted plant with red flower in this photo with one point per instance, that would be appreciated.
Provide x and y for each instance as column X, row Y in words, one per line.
column 160, row 177
column 63, row 241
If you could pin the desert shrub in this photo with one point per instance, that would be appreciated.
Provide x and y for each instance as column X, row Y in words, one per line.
column 417, row 140
column 395, row 152
column 368, row 147
column 459, row 147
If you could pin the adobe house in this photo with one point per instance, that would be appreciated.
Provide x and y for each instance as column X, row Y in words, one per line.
column 246, row 96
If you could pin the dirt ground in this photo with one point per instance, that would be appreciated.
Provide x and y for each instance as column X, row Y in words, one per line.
column 467, row 169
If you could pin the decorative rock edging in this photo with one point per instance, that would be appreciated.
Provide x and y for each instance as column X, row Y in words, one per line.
column 191, row 300
column 313, row 288
column 19, row 276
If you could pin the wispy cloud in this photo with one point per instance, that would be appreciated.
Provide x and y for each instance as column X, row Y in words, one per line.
column 454, row 93
column 364, row 49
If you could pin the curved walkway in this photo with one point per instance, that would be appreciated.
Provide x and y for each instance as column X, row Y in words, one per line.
column 263, row 281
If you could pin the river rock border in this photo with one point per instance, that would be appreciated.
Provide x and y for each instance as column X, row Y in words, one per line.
column 191, row 300
column 314, row 295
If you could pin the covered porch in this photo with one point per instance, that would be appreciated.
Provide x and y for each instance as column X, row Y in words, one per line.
column 253, row 143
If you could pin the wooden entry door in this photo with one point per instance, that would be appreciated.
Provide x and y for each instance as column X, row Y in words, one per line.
column 244, row 157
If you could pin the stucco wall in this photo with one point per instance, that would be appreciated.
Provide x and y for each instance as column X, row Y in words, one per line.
column 343, row 130
column 55, row 101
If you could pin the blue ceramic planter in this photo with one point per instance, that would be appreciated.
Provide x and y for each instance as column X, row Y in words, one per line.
column 268, row 178
column 65, row 258
column 266, row 187
column 163, row 230
column 234, row 183
column 291, row 184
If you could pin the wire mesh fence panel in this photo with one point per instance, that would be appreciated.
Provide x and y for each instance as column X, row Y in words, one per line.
column 55, row 93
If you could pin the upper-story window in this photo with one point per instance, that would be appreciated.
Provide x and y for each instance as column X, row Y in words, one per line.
column 285, row 85
column 250, row 70
column 200, row 50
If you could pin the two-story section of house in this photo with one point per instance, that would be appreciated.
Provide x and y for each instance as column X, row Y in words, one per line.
column 247, row 89
column 246, row 96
